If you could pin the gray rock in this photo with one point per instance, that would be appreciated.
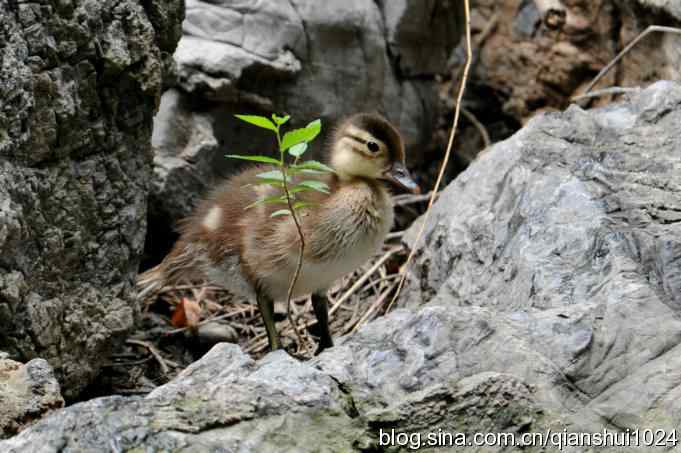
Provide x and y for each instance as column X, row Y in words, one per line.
column 185, row 147
column 215, row 332
column 79, row 85
column 671, row 7
column 27, row 392
column 295, row 57
column 569, row 232
column 227, row 402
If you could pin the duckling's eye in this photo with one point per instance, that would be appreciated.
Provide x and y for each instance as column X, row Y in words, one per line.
column 373, row 147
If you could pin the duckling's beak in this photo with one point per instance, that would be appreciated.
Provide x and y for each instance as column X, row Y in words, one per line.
column 399, row 175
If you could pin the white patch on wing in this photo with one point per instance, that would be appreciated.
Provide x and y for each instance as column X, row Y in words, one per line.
column 212, row 220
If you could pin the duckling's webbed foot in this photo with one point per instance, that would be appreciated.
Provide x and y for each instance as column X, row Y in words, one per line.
column 266, row 305
column 320, row 306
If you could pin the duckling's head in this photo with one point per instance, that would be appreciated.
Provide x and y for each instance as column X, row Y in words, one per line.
column 366, row 145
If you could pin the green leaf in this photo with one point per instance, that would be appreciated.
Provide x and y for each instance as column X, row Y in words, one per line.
column 304, row 135
column 280, row 213
column 319, row 186
column 293, row 138
column 259, row 121
column 275, row 175
column 276, row 199
column 271, row 182
column 314, row 166
column 280, row 119
column 295, row 190
column 315, row 127
column 263, row 159
column 297, row 150
column 303, row 204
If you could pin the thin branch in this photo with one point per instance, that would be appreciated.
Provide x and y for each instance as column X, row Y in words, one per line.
column 487, row 31
column 364, row 278
column 407, row 199
column 377, row 303
column 606, row 92
column 395, row 235
column 609, row 66
column 480, row 41
column 443, row 166
column 299, row 264
column 301, row 250
column 482, row 130
column 171, row 288
column 157, row 355
column 373, row 284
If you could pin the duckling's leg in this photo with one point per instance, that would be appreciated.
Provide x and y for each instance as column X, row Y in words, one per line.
column 320, row 306
column 266, row 305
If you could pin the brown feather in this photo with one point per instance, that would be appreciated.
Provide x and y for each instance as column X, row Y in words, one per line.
column 224, row 240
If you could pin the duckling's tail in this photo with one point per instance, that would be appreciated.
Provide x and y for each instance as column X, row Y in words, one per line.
column 150, row 282
column 179, row 265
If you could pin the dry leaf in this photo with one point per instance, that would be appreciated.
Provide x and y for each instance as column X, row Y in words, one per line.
column 187, row 314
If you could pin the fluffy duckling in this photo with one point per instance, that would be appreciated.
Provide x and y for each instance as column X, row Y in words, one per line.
column 254, row 255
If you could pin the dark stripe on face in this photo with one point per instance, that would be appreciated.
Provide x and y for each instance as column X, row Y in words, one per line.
column 379, row 127
column 356, row 138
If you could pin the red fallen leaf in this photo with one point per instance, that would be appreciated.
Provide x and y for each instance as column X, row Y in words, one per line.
column 186, row 314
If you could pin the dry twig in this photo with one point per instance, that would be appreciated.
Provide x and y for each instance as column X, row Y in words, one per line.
column 609, row 66
column 364, row 278
column 443, row 166
column 482, row 130
column 407, row 199
column 606, row 92
column 152, row 350
column 374, row 307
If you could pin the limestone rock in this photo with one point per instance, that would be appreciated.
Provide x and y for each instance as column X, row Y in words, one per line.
column 80, row 82
column 568, row 233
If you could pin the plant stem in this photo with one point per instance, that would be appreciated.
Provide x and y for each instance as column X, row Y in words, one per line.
column 301, row 250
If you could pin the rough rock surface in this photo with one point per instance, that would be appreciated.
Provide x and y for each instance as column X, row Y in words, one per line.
column 27, row 392
column 569, row 235
column 79, row 85
column 228, row 402
column 296, row 57
column 551, row 271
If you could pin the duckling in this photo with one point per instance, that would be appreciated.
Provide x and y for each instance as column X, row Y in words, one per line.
column 255, row 255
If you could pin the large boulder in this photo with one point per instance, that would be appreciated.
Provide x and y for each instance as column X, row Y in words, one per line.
column 569, row 234
column 299, row 57
column 80, row 82
column 551, row 276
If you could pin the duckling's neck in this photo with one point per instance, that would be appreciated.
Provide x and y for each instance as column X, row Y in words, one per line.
column 376, row 185
column 343, row 177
